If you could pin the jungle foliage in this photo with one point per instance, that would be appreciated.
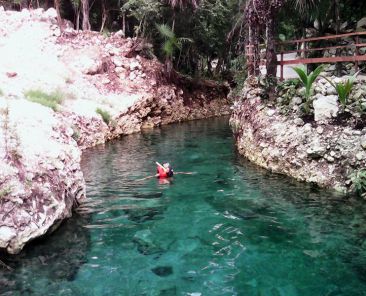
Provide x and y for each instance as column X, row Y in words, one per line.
column 217, row 30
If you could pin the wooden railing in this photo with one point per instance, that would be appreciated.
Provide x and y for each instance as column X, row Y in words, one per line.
column 354, row 45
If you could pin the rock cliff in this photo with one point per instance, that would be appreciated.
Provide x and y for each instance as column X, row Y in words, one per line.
column 279, row 137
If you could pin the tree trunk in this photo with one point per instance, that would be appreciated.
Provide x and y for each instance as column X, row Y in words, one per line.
column 104, row 16
column 78, row 19
column 124, row 24
column 59, row 19
column 271, row 58
column 85, row 10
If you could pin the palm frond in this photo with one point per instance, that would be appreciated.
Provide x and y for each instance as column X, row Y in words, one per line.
column 165, row 31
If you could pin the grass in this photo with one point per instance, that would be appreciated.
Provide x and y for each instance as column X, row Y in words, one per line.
column 105, row 115
column 51, row 100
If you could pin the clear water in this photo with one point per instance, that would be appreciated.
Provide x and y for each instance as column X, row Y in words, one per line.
column 229, row 229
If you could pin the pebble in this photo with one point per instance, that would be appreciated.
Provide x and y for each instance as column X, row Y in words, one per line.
column 319, row 130
column 299, row 122
column 271, row 112
column 360, row 156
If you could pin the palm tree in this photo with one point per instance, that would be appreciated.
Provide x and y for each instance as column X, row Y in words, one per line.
column 170, row 45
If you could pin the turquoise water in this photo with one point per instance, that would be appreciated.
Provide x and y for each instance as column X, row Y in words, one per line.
column 229, row 229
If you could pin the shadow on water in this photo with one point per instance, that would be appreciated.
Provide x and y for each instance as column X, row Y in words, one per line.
column 53, row 259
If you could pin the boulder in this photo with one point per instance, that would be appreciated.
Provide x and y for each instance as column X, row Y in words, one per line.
column 50, row 13
column 361, row 24
column 325, row 107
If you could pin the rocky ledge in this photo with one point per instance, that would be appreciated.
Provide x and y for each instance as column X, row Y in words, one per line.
column 324, row 145
column 87, row 89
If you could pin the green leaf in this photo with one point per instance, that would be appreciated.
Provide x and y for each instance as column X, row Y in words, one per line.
column 313, row 75
column 302, row 74
column 165, row 31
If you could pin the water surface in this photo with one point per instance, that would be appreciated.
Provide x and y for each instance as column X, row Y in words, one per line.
column 229, row 229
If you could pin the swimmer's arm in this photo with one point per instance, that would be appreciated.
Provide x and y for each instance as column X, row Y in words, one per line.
column 148, row 177
column 184, row 173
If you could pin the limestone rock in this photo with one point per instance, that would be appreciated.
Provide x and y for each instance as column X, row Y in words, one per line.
column 316, row 151
column 325, row 107
column 40, row 153
column 361, row 24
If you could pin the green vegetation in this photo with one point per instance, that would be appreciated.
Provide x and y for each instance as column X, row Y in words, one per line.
column 358, row 180
column 343, row 88
column 105, row 115
column 51, row 100
column 307, row 81
column 5, row 191
column 76, row 133
column 1, row 93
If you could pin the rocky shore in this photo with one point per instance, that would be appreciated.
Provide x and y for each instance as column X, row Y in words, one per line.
column 325, row 146
column 62, row 93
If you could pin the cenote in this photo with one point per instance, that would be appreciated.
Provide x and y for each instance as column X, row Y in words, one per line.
column 229, row 229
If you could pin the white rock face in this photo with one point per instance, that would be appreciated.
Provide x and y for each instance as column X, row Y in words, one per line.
column 325, row 107
column 39, row 172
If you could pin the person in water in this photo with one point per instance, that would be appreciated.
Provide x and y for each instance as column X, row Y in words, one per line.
column 164, row 172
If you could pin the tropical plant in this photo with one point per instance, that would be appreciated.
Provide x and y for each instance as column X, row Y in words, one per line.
column 307, row 81
column 170, row 44
column 358, row 184
column 343, row 88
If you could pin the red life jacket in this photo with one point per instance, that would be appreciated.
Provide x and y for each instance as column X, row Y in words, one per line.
column 162, row 173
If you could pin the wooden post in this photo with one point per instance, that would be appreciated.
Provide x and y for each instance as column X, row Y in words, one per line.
column 357, row 53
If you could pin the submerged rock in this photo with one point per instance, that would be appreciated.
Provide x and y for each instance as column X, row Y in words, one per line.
column 163, row 271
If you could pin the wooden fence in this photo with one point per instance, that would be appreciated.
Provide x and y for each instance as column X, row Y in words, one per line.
column 305, row 46
column 352, row 43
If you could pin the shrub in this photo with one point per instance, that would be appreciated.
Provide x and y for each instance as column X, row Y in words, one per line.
column 51, row 100
column 343, row 88
column 105, row 115
column 358, row 180
column 307, row 81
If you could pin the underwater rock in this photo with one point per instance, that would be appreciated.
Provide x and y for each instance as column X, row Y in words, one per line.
column 163, row 271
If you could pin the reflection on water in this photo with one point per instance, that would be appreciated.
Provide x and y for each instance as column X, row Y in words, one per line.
column 230, row 229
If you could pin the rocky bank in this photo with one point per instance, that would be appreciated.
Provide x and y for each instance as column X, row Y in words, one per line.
column 100, row 87
column 324, row 146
